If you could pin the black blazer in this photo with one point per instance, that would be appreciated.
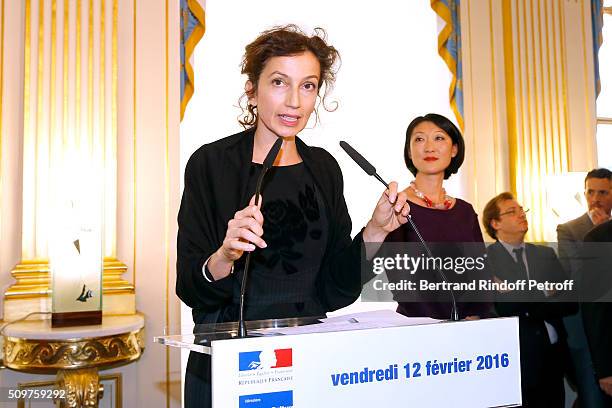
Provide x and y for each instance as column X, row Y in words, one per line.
column 543, row 266
column 597, row 316
column 216, row 179
column 534, row 308
column 570, row 237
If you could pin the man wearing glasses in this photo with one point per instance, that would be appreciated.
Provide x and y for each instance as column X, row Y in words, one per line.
column 541, row 333
column 598, row 194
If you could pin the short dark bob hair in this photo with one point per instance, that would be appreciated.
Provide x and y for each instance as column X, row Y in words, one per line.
column 451, row 130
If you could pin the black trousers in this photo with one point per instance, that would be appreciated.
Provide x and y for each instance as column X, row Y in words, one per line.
column 547, row 390
column 198, row 384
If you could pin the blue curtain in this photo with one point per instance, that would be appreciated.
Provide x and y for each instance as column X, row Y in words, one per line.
column 192, row 30
column 597, row 25
column 449, row 48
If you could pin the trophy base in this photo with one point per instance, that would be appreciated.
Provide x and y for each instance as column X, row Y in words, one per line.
column 69, row 319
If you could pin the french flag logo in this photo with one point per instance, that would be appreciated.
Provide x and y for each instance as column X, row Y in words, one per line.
column 262, row 360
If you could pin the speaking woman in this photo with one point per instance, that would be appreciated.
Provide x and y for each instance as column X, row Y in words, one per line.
column 305, row 262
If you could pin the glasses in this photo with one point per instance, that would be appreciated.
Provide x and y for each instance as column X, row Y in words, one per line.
column 515, row 211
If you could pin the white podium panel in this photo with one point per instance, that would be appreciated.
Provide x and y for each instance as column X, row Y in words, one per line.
column 448, row 364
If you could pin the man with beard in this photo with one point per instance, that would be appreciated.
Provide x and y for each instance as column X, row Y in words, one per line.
column 570, row 235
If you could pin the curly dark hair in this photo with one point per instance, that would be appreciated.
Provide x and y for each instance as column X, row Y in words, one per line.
column 451, row 130
column 281, row 42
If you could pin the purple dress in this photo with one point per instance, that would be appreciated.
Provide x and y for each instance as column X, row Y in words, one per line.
column 456, row 225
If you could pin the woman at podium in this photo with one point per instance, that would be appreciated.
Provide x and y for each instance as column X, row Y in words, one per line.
column 434, row 150
column 304, row 261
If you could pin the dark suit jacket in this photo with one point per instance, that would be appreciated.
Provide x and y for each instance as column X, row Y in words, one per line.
column 570, row 237
column 597, row 316
column 532, row 308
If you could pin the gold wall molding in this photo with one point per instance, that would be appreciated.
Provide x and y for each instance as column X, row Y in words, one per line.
column 2, row 28
column 510, row 93
column 525, row 96
column 167, row 218
column 64, row 119
column 49, row 356
column 66, row 39
column 134, row 144
column 140, row 243
column 538, row 119
column 485, row 165
column 112, row 281
column 33, row 280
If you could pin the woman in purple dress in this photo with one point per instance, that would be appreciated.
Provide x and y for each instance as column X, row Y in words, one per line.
column 434, row 151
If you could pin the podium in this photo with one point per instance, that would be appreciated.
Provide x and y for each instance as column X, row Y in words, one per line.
column 435, row 364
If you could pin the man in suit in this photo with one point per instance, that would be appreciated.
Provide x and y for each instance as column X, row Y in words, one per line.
column 597, row 185
column 597, row 316
column 570, row 236
column 541, row 333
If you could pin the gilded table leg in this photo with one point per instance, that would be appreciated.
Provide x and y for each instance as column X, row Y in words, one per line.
column 82, row 387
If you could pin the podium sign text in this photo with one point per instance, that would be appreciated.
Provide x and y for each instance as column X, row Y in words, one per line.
column 460, row 364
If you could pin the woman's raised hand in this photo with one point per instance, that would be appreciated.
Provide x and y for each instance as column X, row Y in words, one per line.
column 391, row 211
column 244, row 233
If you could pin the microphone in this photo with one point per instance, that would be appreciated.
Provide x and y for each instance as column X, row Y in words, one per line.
column 361, row 161
column 371, row 171
column 267, row 164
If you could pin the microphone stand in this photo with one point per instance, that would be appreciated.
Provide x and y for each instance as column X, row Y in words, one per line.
column 371, row 171
column 267, row 164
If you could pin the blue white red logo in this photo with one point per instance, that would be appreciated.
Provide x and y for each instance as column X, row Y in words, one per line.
column 282, row 399
column 262, row 360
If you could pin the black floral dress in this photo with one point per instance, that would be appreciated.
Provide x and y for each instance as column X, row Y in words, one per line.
column 283, row 275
